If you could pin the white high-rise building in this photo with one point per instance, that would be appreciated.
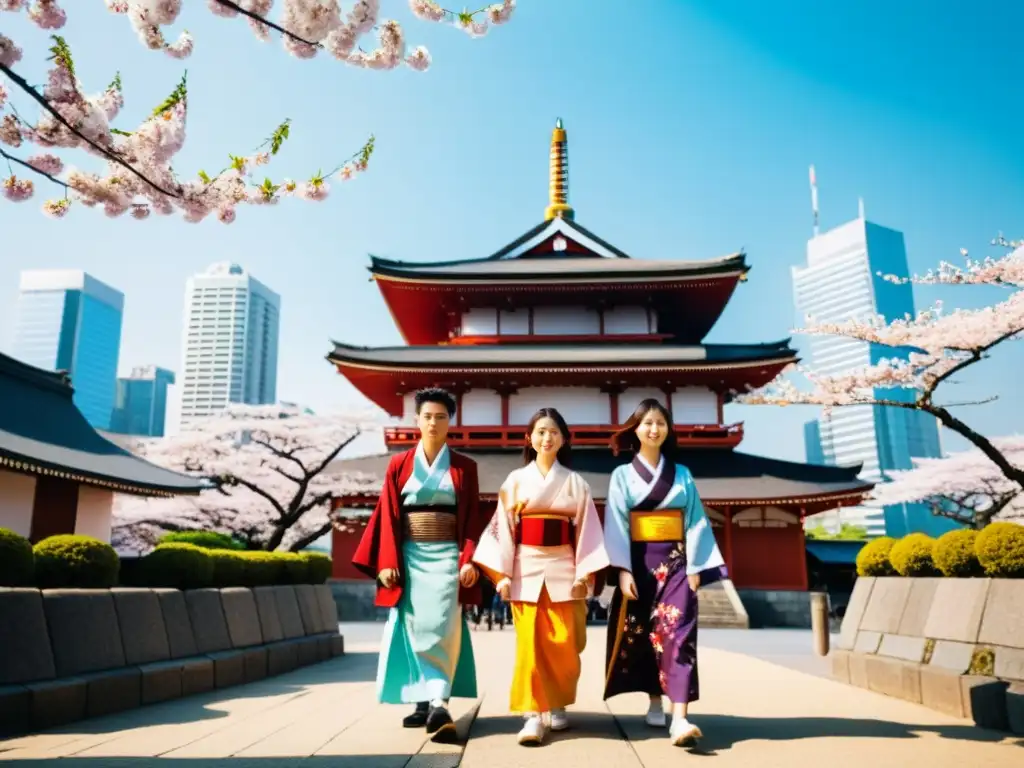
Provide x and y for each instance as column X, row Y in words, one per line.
column 843, row 280
column 231, row 330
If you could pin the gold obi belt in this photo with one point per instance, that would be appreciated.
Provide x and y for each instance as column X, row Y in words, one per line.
column 656, row 525
column 545, row 529
column 431, row 523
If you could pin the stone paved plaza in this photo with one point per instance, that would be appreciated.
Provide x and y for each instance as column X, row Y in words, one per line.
column 755, row 712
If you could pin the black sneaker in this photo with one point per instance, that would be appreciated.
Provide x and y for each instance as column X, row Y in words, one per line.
column 418, row 718
column 440, row 725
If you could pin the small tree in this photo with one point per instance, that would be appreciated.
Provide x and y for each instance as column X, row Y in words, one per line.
column 967, row 487
column 927, row 351
column 139, row 177
column 270, row 473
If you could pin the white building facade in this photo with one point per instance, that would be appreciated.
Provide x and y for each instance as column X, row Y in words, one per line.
column 230, row 342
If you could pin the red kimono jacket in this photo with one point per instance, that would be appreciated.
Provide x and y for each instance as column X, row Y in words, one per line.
column 381, row 545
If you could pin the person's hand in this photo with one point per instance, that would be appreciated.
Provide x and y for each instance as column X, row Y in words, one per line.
column 579, row 589
column 694, row 579
column 627, row 585
column 504, row 589
column 468, row 575
column 388, row 577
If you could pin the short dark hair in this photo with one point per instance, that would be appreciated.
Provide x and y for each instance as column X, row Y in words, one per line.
column 564, row 454
column 435, row 395
column 625, row 438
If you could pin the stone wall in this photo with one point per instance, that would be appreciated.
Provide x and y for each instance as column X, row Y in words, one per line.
column 955, row 645
column 68, row 654
column 354, row 598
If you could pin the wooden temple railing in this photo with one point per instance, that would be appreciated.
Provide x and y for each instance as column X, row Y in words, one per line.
column 688, row 436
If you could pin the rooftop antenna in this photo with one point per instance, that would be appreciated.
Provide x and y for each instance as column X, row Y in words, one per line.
column 860, row 208
column 558, row 190
column 814, row 199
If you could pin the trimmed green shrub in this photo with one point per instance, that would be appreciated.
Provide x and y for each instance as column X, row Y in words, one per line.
column 229, row 567
column 873, row 558
column 294, row 567
column 176, row 565
column 1000, row 550
column 912, row 555
column 17, row 563
column 69, row 560
column 320, row 567
column 204, row 539
column 263, row 569
column 954, row 554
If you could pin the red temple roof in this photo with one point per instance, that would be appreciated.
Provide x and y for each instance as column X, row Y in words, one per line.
column 384, row 373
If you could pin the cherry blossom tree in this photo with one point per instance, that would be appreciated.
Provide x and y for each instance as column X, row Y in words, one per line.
column 967, row 487
column 138, row 176
column 270, row 472
column 927, row 351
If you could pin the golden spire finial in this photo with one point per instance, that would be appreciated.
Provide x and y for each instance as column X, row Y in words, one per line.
column 558, row 192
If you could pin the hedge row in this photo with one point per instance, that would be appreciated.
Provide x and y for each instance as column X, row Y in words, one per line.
column 997, row 550
column 87, row 563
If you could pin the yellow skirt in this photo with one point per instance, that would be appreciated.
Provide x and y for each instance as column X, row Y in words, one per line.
column 549, row 640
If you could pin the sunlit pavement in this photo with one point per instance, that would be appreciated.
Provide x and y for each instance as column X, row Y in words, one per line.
column 764, row 703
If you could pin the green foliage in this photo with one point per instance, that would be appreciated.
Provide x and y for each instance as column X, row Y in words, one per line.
column 177, row 565
column 912, row 555
column 60, row 52
column 69, row 560
column 983, row 662
column 263, row 569
column 294, row 567
column 846, row 532
column 178, row 95
column 873, row 558
column 1000, row 550
column 203, row 539
column 230, row 567
column 955, row 555
column 320, row 567
column 17, row 563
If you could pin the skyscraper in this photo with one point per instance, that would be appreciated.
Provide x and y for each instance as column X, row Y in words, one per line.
column 842, row 280
column 140, row 407
column 231, row 328
column 68, row 320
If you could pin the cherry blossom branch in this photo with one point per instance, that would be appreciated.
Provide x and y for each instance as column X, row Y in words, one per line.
column 304, row 541
column 24, row 85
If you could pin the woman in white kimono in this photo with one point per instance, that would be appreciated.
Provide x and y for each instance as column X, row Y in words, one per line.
column 542, row 549
column 662, row 549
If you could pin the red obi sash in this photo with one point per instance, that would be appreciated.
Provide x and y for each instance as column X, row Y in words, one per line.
column 545, row 530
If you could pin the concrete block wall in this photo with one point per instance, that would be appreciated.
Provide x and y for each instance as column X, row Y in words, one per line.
column 68, row 654
column 954, row 645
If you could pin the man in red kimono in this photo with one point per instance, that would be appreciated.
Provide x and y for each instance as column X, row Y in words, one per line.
column 419, row 545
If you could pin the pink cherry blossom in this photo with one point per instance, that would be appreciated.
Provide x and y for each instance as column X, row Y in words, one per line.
column 136, row 174
column 967, row 485
column 928, row 350
column 56, row 209
column 17, row 190
column 10, row 54
column 273, row 474
column 48, row 164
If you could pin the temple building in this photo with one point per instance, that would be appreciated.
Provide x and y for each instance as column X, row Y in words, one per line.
column 57, row 473
column 559, row 317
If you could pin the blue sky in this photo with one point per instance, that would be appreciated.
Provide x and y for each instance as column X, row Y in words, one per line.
column 691, row 127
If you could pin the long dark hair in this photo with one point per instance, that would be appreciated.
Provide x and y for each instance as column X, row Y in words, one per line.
column 626, row 440
column 564, row 454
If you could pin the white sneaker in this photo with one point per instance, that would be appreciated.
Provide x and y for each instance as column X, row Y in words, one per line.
column 533, row 731
column 683, row 733
column 559, row 720
column 656, row 715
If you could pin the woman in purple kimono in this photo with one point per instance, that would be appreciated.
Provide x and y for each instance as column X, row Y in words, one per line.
column 662, row 549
